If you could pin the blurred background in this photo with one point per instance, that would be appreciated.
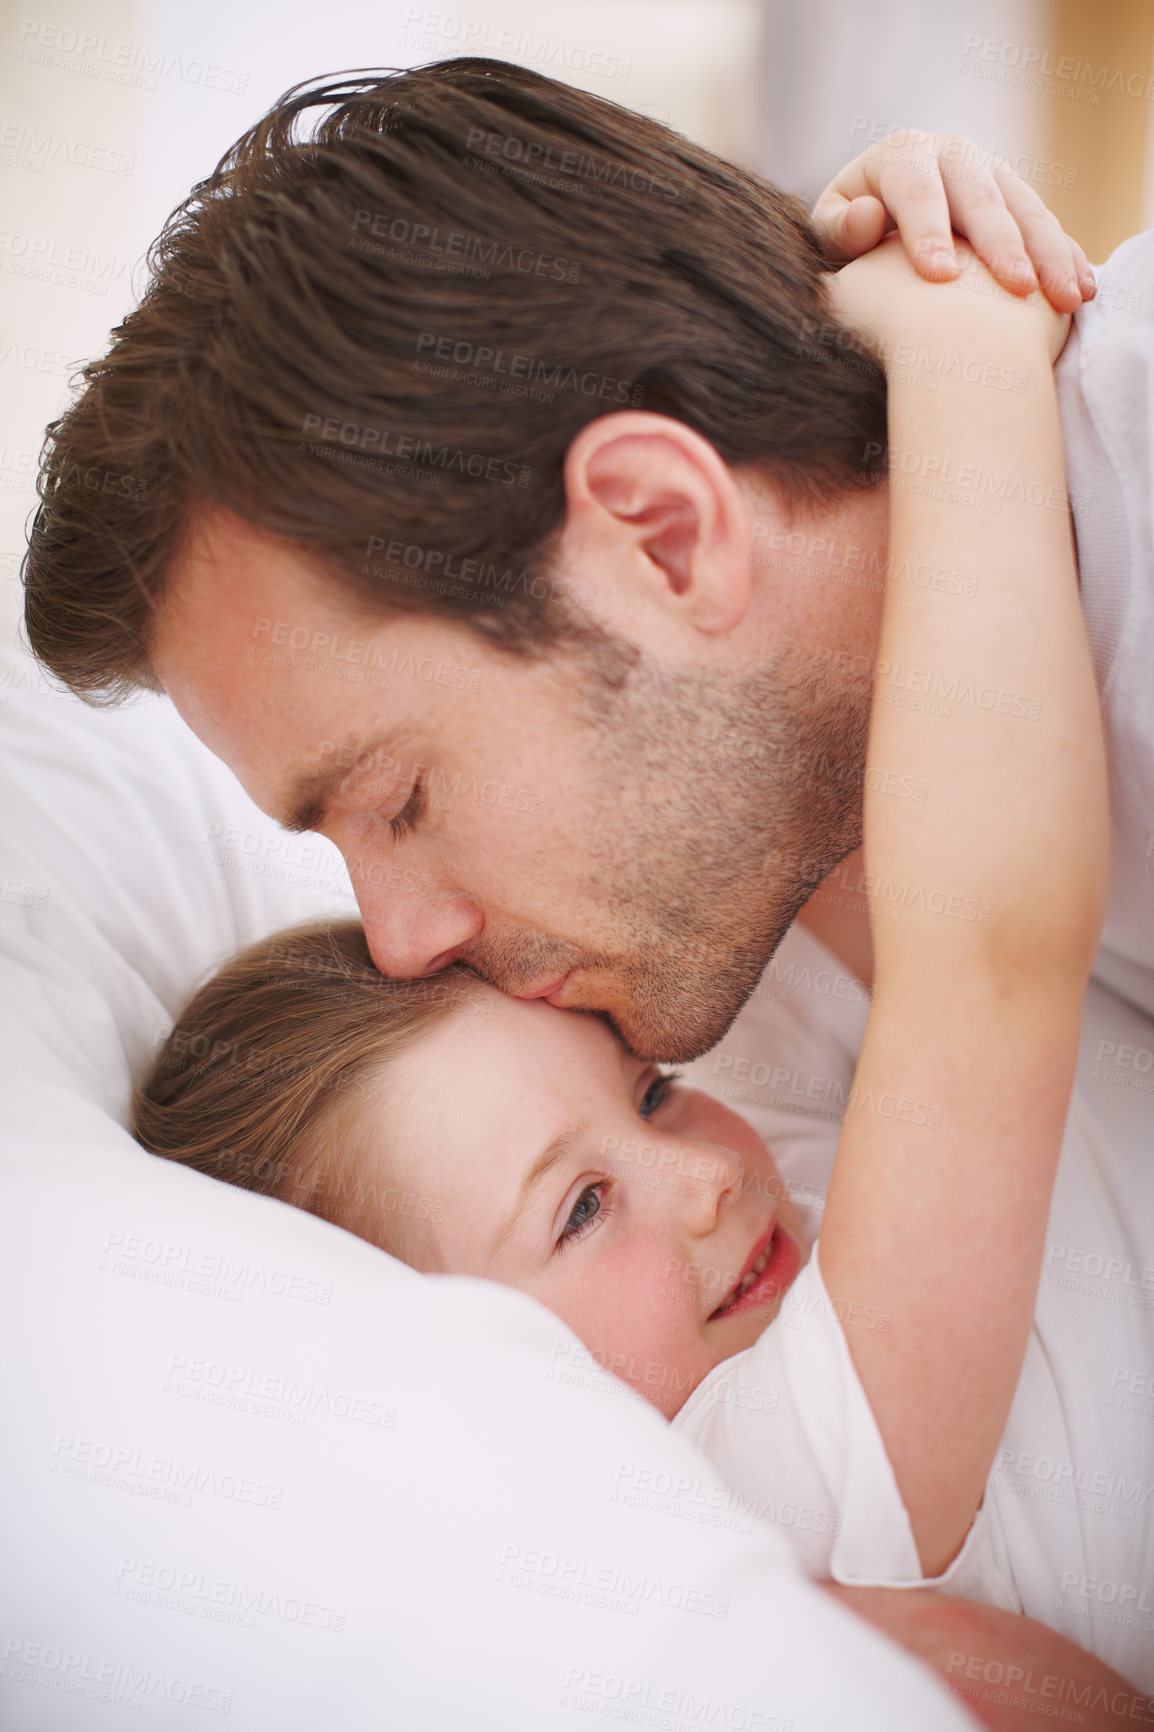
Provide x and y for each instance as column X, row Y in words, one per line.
column 111, row 109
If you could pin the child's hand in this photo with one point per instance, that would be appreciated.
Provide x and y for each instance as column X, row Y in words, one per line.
column 882, row 296
column 927, row 184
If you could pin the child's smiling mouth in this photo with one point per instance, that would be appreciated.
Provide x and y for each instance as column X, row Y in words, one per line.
column 774, row 1262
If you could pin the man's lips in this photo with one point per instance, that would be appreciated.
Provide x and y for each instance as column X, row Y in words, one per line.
column 769, row 1270
column 549, row 991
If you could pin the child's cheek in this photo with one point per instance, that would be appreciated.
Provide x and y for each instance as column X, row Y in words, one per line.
column 638, row 1318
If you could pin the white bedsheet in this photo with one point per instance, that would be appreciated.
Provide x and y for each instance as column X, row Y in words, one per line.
column 252, row 1467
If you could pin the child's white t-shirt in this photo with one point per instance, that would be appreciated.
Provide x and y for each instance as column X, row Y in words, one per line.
column 1066, row 1529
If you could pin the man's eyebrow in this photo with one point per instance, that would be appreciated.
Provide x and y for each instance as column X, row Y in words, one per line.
column 312, row 790
column 541, row 1168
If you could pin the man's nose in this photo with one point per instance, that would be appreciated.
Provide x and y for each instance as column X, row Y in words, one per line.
column 414, row 927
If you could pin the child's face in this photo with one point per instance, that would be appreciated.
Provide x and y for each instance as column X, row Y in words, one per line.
column 528, row 1147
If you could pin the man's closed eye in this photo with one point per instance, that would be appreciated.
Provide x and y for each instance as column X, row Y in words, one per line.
column 411, row 813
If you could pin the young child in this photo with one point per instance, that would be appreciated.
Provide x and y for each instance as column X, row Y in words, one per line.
column 869, row 1382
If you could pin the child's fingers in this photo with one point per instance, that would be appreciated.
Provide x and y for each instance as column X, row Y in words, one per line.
column 1086, row 279
column 862, row 226
column 1060, row 263
column 930, row 185
column 979, row 211
column 851, row 227
column 903, row 174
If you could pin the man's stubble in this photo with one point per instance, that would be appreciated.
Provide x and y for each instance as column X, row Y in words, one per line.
column 719, row 804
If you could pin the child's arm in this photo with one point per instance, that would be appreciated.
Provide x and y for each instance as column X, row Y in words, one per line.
column 986, row 899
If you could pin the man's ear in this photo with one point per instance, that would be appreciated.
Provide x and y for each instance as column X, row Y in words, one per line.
column 657, row 525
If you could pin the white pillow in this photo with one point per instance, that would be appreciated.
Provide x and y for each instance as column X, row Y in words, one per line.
column 253, row 1466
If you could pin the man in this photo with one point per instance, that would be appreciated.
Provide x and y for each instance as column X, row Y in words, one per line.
column 489, row 484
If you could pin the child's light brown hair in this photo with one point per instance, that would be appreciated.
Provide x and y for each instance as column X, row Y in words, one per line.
column 263, row 1069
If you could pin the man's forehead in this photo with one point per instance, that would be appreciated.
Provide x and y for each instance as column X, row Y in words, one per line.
column 231, row 646
column 296, row 683
column 224, row 560
column 234, row 579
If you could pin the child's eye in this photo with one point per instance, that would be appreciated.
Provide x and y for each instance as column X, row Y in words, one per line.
column 585, row 1211
column 655, row 1094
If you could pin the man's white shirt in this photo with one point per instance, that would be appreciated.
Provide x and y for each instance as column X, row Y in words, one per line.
column 1105, row 379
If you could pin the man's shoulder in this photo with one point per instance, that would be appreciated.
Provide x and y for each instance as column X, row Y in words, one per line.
column 1105, row 382
column 1105, row 377
column 1124, row 298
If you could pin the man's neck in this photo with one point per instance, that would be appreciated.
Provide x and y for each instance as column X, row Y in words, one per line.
column 824, row 587
column 820, row 575
column 838, row 916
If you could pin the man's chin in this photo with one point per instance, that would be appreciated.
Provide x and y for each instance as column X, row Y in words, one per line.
column 669, row 1015
column 675, row 1029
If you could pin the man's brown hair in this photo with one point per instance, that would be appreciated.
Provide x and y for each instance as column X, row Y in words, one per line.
column 259, row 1081
column 375, row 329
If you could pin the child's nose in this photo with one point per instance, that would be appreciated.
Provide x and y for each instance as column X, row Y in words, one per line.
column 712, row 1178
